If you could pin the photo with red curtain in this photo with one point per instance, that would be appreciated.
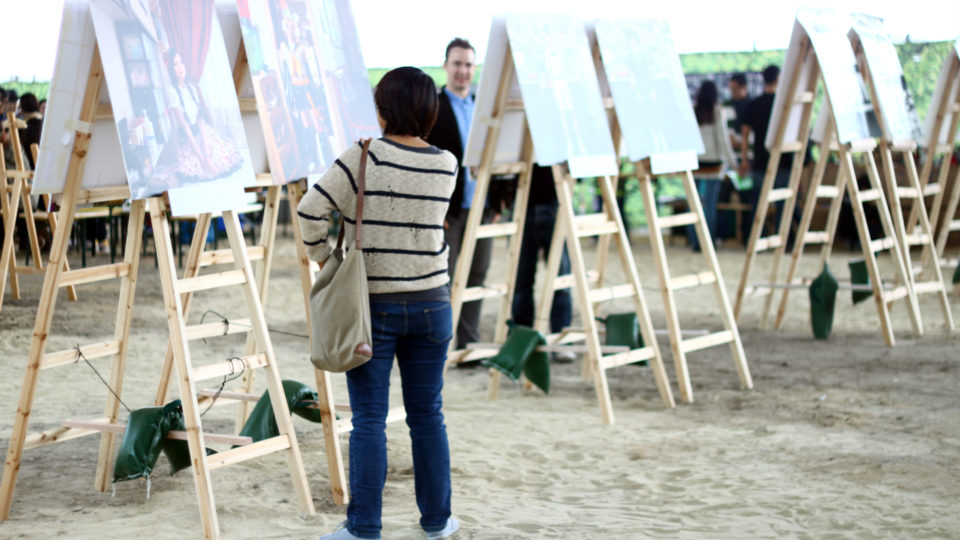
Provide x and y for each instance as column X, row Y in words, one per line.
column 187, row 24
column 205, row 150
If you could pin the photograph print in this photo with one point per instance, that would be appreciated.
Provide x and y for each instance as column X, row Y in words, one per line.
column 171, row 90
column 311, row 85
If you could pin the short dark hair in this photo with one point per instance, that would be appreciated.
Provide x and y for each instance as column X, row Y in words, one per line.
column 28, row 103
column 12, row 95
column 457, row 43
column 406, row 99
column 739, row 78
column 770, row 74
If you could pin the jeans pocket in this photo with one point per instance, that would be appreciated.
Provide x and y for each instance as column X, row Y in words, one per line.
column 439, row 321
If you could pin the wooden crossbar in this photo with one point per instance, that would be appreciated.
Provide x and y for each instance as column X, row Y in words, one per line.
column 211, row 281
column 177, row 435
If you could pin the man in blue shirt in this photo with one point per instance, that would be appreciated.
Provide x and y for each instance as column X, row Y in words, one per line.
column 454, row 116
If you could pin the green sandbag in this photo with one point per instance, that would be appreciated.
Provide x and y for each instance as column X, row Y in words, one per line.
column 519, row 346
column 859, row 276
column 956, row 274
column 263, row 425
column 823, row 299
column 537, row 370
column 623, row 330
column 177, row 451
column 143, row 439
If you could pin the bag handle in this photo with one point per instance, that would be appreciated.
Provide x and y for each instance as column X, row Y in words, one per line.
column 361, row 185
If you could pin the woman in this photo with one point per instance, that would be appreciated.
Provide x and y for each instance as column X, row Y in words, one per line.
column 717, row 157
column 408, row 188
column 202, row 155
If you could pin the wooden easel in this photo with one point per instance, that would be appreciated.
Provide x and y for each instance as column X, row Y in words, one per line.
column 174, row 288
column 946, row 113
column 807, row 68
column 569, row 228
column 925, row 238
column 669, row 285
column 19, row 193
column 262, row 253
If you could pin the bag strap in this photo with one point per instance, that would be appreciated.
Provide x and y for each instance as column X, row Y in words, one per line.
column 361, row 184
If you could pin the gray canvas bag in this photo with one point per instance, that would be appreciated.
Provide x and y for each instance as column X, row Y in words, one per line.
column 340, row 302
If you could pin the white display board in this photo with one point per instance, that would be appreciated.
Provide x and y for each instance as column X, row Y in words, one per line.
column 850, row 102
column 136, row 40
column 510, row 143
column 899, row 120
column 952, row 88
column 310, row 82
column 560, row 92
column 104, row 165
column 649, row 92
column 230, row 26
column 173, row 100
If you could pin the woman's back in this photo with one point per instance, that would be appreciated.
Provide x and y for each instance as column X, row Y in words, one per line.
column 405, row 201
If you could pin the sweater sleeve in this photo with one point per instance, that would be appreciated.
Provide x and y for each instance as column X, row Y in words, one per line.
column 335, row 190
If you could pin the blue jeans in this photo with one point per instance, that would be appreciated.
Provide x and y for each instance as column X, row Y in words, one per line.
column 537, row 234
column 418, row 334
column 709, row 191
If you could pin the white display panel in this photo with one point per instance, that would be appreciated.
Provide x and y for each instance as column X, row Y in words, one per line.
column 899, row 119
column 649, row 93
column 310, row 82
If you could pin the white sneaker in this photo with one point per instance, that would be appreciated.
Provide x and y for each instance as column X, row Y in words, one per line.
column 342, row 533
column 564, row 357
column 447, row 531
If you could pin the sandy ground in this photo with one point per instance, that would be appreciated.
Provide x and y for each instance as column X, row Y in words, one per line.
column 844, row 438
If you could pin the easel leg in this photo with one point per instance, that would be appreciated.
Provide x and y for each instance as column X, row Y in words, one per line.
column 52, row 221
column 331, row 430
column 930, row 258
column 192, row 269
column 268, row 231
column 783, row 233
column 949, row 215
column 30, row 224
column 181, row 356
column 800, row 241
column 564, row 187
column 47, row 304
column 639, row 302
column 280, row 409
column 7, row 261
column 669, row 303
column 846, row 161
column 128, row 286
column 906, row 280
column 710, row 256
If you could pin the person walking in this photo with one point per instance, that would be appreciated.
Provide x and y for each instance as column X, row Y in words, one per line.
column 408, row 187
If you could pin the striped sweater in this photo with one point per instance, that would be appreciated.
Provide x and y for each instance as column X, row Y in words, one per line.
column 405, row 201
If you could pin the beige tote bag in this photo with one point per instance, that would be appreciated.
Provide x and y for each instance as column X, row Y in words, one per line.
column 339, row 301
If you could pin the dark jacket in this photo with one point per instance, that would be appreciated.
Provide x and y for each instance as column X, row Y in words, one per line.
column 446, row 136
